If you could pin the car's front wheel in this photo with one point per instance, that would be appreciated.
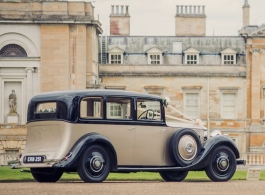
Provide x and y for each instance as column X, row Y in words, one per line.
column 94, row 164
column 222, row 165
column 176, row 176
column 46, row 174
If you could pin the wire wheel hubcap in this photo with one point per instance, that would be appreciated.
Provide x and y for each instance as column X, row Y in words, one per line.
column 222, row 163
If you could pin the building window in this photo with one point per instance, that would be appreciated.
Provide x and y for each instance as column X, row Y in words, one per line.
column 115, row 59
column 191, row 59
column 228, row 106
column 155, row 59
column 13, row 50
column 115, row 55
column 191, row 105
column 191, row 56
column 154, row 55
column 229, row 59
column 228, row 56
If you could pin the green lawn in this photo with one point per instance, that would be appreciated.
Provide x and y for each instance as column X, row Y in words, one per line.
column 8, row 174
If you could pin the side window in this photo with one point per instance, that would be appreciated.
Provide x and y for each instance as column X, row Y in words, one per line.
column 91, row 107
column 47, row 107
column 118, row 108
column 148, row 109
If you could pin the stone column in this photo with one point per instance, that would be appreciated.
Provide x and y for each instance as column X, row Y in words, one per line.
column 29, row 88
column 255, row 86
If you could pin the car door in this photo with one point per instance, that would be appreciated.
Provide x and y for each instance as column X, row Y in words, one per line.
column 120, row 128
column 151, row 134
column 150, row 145
column 122, row 138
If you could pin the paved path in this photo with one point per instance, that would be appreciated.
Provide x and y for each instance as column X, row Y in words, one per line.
column 134, row 188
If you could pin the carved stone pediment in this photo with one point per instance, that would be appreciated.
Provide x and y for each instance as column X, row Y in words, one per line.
column 259, row 32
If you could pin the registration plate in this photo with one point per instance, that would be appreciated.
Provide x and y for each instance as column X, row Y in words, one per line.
column 33, row 159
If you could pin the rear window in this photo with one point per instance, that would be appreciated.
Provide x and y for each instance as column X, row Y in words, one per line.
column 46, row 107
column 91, row 107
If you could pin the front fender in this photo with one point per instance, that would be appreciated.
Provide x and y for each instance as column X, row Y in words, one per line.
column 72, row 158
column 218, row 140
column 204, row 158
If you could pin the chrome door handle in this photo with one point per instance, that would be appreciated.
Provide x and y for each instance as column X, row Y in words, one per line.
column 162, row 130
column 132, row 128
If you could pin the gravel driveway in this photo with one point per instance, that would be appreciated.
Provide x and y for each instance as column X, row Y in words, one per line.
column 134, row 188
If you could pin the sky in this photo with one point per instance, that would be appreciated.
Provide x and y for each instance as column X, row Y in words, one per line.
column 157, row 17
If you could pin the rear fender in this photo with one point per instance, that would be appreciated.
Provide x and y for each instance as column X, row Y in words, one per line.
column 72, row 158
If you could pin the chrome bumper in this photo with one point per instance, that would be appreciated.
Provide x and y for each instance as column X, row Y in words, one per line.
column 51, row 161
column 11, row 162
column 46, row 163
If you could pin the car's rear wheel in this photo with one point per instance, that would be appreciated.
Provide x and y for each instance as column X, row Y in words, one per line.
column 46, row 174
column 176, row 176
column 222, row 165
column 94, row 164
column 185, row 146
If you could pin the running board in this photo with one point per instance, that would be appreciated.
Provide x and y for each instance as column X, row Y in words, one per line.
column 150, row 169
column 157, row 169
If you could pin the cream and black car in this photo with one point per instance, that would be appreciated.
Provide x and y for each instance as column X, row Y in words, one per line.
column 95, row 132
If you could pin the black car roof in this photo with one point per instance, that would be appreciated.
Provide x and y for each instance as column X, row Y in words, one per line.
column 68, row 95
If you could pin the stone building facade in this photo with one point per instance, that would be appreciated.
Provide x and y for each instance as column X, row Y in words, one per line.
column 55, row 45
column 217, row 79
column 44, row 46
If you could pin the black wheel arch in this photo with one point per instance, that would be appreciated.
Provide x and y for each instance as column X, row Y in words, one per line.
column 83, row 143
column 208, row 149
column 219, row 140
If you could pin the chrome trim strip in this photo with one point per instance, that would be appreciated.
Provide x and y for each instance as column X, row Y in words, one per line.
column 51, row 160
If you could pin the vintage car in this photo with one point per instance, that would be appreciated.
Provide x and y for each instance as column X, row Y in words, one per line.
column 95, row 132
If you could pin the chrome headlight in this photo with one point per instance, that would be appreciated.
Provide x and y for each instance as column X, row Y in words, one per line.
column 215, row 133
